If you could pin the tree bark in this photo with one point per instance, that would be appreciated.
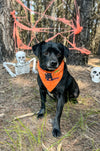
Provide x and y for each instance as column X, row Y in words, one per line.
column 6, row 31
column 28, row 34
column 86, row 7
column 82, row 39
column 98, row 52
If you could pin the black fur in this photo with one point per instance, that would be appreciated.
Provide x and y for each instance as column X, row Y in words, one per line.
column 50, row 57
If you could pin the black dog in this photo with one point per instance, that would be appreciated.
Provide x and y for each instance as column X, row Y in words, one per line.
column 51, row 57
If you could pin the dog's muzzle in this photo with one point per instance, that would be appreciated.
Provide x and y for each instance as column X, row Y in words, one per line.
column 52, row 65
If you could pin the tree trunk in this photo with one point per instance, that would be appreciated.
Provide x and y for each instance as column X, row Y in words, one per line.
column 6, row 31
column 86, row 7
column 82, row 39
column 29, row 20
column 98, row 53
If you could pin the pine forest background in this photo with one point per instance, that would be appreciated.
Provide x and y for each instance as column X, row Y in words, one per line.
column 89, row 14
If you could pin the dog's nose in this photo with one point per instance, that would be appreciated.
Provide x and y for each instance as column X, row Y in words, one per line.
column 53, row 63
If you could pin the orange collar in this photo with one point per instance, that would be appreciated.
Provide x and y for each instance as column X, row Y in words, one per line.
column 51, row 78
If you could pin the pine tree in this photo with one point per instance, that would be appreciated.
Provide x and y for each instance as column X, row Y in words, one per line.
column 6, row 31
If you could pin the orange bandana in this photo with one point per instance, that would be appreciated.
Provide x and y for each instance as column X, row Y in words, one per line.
column 51, row 78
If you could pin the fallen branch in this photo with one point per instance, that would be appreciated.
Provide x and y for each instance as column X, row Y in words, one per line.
column 2, row 115
column 2, row 91
column 25, row 115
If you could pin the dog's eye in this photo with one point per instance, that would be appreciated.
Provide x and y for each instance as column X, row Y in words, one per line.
column 46, row 53
column 58, row 55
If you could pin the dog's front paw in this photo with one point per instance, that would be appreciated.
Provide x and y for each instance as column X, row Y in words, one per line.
column 56, row 132
column 41, row 113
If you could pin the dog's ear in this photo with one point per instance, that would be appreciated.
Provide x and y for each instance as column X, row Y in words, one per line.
column 64, row 49
column 37, row 48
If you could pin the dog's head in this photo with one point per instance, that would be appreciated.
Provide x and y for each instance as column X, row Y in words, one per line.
column 50, row 54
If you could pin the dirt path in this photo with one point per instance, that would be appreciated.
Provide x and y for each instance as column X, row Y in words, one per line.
column 80, row 123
